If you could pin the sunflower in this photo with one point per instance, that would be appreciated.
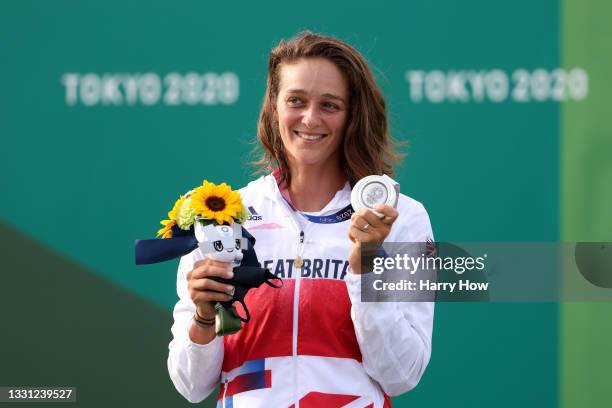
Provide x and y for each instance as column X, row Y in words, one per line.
column 219, row 203
column 166, row 231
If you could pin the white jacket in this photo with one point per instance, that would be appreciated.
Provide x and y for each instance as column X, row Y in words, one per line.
column 311, row 342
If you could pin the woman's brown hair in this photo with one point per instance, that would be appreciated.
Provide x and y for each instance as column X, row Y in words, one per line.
column 367, row 145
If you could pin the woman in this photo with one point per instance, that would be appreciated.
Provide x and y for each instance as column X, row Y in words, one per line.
column 312, row 342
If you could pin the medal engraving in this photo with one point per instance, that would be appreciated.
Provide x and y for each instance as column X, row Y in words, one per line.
column 373, row 190
column 374, row 193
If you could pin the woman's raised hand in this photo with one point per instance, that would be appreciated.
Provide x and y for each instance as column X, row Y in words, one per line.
column 367, row 227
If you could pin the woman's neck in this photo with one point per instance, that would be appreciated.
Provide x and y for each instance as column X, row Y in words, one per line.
column 313, row 187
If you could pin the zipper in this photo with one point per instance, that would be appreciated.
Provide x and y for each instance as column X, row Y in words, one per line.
column 226, row 382
column 296, row 293
column 296, row 303
column 296, row 299
column 299, row 259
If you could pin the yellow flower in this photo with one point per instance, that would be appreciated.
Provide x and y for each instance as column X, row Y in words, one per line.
column 166, row 231
column 219, row 203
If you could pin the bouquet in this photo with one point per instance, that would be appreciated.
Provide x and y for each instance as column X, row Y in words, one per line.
column 209, row 203
column 209, row 218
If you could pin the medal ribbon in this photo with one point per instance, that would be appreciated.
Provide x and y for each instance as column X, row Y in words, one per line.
column 339, row 216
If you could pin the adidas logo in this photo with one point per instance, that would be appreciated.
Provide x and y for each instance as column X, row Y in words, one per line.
column 253, row 216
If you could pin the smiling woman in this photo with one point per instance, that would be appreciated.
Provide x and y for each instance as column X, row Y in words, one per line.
column 313, row 342
column 311, row 111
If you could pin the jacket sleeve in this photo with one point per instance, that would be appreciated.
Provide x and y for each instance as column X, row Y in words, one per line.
column 194, row 368
column 394, row 337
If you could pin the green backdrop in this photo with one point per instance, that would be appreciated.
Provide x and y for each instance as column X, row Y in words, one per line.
column 110, row 109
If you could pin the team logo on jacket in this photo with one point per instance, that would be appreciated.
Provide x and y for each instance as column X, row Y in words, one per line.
column 253, row 216
column 311, row 268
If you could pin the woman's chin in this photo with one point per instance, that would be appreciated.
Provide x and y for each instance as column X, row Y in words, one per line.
column 307, row 160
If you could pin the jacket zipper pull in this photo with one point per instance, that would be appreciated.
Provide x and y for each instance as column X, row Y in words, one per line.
column 299, row 261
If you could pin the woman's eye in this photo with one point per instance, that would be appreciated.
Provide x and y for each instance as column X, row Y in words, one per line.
column 331, row 106
column 294, row 101
column 218, row 246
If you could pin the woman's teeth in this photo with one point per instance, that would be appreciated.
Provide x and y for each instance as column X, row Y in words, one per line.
column 310, row 136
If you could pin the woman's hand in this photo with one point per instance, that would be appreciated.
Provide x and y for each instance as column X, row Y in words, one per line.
column 206, row 292
column 367, row 227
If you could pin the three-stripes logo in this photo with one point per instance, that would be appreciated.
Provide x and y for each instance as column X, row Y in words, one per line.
column 253, row 216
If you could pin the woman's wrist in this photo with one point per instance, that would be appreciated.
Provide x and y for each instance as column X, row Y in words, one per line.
column 202, row 329
column 203, row 321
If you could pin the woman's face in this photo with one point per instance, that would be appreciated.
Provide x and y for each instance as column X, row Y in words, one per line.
column 311, row 109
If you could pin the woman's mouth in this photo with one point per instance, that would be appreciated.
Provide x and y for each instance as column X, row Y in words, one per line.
column 310, row 136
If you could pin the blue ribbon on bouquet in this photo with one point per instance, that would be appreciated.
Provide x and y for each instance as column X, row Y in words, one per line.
column 149, row 251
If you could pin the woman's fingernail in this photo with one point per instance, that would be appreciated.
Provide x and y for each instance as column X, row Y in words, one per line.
column 230, row 274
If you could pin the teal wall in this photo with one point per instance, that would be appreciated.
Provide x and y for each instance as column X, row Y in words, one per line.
column 82, row 176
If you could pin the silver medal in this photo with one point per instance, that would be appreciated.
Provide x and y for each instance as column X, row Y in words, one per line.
column 372, row 190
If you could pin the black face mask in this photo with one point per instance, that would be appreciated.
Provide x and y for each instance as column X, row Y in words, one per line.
column 245, row 278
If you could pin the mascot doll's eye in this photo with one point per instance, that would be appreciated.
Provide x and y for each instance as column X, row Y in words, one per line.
column 237, row 244
column 218, row 246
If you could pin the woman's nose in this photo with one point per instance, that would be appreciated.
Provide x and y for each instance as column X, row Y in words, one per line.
column 311, row 118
